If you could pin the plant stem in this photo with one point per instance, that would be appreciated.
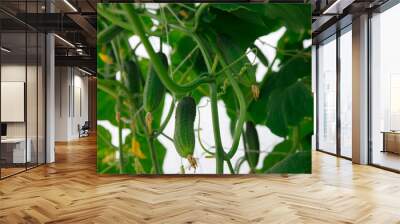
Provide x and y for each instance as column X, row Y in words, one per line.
column 207, row 58
column 184, row 61
column 167, row 137
column 175, row 16
column 234, row 62
column 198, row 14
column 187, row 7
column 158, row 65
column 219, row 151
column 198, row 135
column 228, row 161
column 121, row 154
column 153, row 154
column 150, row 141
column 113, row 19
column 165, row 122
column 242, row 104
column 108, row 33
column 149, row 137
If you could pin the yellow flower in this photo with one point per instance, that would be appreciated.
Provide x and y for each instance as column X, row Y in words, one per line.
column 109, row 158
column 105, row 58
column 255, row 90
column 136, row 149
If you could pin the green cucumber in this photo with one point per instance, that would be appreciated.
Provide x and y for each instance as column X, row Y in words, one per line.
column 132, row 79
column 252, row 149
column 154, row 90
column 185, row 115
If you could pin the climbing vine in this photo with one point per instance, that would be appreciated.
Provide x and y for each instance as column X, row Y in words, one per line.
column 211, row 47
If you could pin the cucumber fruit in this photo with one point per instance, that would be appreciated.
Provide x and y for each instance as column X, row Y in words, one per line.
column 184, row 138
column 252, row 149
column 154, row 90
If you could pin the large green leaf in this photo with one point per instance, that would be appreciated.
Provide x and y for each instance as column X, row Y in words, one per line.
column 296, row 17
column 287, row 107
column 234, row 26
column 295, row 68
column 282, row 84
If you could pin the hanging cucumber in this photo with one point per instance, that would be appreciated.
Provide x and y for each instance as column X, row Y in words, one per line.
column 252, row 149
column 184, row 138
column 154, row 90
column 133, row 78
column 153, row 93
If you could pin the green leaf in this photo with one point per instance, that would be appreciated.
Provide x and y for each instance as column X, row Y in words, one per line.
column 234, row 27
column 103, row 138
column 280, row 151
column 293, row 70
column 296, row 70
column 299, row 162
column 296, row 17
column 291, row 43
column 106, row 161
column 287, row 107
column 106, row 107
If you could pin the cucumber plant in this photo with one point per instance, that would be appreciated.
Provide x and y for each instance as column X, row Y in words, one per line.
column 215, row 52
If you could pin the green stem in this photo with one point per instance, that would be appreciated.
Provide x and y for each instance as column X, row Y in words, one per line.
column 171, row 25
column 184, row 61
column 234, row 62
column 167, row 137
column 219, row 151
column 158, row 65
column 113, row 19
column 199, row 137
column 165, row 123
column 153, row 154
column 175, row 16
column 242, row 104
column 149, row 139
column 197, row 16
column 239, row 163
column 187, row 7
column 203, row 49
column 107, row 90
column 121, row 154
column 108, row 34
column 228, row 161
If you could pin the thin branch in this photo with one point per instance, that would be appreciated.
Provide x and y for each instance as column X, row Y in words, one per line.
column 185, row 59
